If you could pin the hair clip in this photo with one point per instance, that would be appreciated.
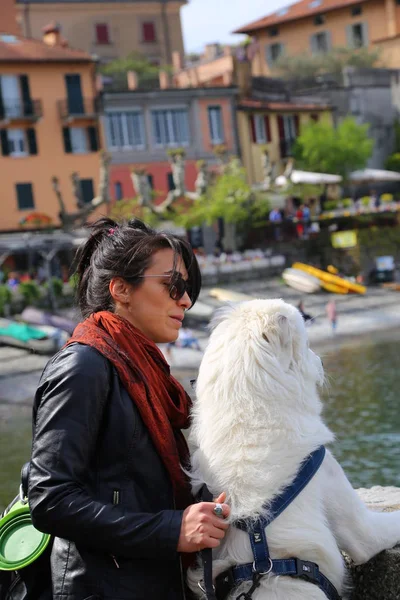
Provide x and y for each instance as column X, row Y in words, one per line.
column 111, row 231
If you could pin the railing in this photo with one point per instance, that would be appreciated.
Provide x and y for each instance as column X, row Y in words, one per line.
column 79, row 108
column 14, row 109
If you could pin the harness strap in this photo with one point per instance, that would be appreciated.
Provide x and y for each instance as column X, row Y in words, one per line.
column 293, row 567
column 206, row 555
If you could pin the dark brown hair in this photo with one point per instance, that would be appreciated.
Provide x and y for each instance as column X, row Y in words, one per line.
column 124, row 250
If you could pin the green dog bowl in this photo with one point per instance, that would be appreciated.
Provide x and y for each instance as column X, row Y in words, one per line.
column 20, row 543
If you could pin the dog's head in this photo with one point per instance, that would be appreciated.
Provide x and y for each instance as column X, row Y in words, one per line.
column 265, row 343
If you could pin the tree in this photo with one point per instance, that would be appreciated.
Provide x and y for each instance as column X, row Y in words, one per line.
column 324, row 149
column 147, row 72
column 311, row 65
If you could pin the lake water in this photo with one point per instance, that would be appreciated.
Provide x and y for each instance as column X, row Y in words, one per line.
column 362, row 401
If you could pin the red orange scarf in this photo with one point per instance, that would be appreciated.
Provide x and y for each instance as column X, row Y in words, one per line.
column 162, row 402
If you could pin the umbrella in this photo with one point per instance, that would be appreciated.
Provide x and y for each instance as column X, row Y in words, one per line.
column 368, row 175
column 308, row 177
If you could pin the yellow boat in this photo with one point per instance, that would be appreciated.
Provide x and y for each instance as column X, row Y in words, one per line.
column 332, row 279
column 334, row 288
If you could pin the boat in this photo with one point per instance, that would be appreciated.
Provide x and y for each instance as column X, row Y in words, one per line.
column 391, row 286
column 35, row 316
column 39, row 339
column 228, row 295
column 333, row 288
column 301, row 281
column 326, row 277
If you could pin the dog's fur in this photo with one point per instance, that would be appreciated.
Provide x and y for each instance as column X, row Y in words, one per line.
column 256, row 417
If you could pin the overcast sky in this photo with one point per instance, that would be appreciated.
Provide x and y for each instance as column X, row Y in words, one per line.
column 207, row 21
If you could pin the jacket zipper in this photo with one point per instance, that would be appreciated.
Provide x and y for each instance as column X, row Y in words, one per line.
column 116, row 499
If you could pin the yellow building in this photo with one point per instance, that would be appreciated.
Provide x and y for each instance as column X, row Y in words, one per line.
column 110, row 28
column 48, row 127
column 317, row 26
column 272, row 127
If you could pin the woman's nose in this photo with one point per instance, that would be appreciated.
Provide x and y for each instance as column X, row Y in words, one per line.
column 185, row 302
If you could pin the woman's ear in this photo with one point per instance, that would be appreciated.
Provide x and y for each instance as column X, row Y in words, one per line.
column 119, row 290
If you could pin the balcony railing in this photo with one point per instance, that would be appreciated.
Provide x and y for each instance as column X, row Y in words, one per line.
column 78, row 108
column 14, row 110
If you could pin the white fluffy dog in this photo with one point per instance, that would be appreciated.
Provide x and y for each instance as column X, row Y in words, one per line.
column 256, row 417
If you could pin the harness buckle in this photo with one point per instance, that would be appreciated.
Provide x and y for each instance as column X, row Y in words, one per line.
column 307, row 570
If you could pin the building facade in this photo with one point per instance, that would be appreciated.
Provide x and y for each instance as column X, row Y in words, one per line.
column 48, row 128
column 141, row 126
column 8, row 20
column 110, row 29
column 317, row 26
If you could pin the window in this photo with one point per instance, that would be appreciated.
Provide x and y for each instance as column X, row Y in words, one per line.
column 356, row 10
column 170, row 182
column 87, row 190
column 125, row 130
column 79, row 141
column 289, row 127
column 118, row 190
column 102, row 34
column 17, row 145
column 260, row 127
column 215, row 124
column 15, row 99
column 357, row 35
column 24, row 196
column 149, row 32
column 274, row 52
column 273, row 31
column 320, row 43
column 319, row 19
column 171, row 127
column 150, row 179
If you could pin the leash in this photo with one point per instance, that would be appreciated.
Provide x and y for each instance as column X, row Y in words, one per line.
column 206, row 556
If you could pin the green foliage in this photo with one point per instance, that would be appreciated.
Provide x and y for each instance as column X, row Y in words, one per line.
column 331, row 205
column 73, row 281
column 393, row 162
column 312, row 65
column 176, row 152
column 366, row 201
column 386, row 198
column 229, row 196
column 30, row 291
column 146, row 71
column 347, row 202
column 57, row 286
column 5, row 297
column 127, row 209
column 324, row 149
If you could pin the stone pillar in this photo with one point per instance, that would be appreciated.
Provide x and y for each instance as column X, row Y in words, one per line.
column 132, row 80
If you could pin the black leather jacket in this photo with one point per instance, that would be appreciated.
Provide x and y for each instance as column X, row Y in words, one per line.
column 98, row 485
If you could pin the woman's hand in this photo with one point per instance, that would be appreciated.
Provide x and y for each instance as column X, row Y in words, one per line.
column 201, row 527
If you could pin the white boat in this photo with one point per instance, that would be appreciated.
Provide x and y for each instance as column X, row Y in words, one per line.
column 301, row 281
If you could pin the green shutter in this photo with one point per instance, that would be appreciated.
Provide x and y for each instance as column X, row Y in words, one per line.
column 32, row 144
column 67, row 140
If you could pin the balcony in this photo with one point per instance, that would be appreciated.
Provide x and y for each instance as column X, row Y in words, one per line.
column 17, row 110
column 78, row 109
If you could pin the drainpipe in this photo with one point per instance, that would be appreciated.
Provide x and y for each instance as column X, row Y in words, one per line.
column 167, row 41
column 26, row 20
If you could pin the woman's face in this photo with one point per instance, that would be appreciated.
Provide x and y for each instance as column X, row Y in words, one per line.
column 149, row 307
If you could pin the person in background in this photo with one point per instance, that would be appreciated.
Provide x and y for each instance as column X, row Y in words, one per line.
column 275, row 217
column 305, row 315
column 106, row 477
column 331, row 313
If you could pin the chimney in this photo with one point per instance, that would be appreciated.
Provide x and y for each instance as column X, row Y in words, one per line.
column 177, row 61
column 52, row 34
column 8, row 20
column 165, row 80
column 132, row 80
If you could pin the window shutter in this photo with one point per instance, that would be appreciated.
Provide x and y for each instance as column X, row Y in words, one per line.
column 268, row 56
column 149, row 32
column 170, row 182
column 67, row 140
column 93, row 139
column 253, row 129
column 87, row 190
column 102, row 36
column 328, row 37
column 150, row 179
column 314, row 44
column 281, row 128
column 24, row 196
column 267, row 128
column 4, row 142
column 1, row 102
column 349, row 36
column 26, row 95
column 31, row 137
column 297, row 124
column 365, row 35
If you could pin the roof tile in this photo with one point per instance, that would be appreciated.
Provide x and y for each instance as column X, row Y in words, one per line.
column 15, row 48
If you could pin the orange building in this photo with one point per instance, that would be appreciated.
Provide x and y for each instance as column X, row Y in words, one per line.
column 8, row 19
column 48, row 126
column 317, row 26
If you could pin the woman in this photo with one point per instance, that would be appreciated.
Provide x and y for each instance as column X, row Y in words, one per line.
column 105, row 476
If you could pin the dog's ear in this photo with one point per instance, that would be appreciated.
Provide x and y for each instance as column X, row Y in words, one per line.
column 281, row 336
column 220, row 315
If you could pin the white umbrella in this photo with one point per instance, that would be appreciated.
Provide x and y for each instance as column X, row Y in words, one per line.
column 365, row 175
column 308, row 177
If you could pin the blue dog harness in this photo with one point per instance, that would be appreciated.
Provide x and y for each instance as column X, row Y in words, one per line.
column 263, row 564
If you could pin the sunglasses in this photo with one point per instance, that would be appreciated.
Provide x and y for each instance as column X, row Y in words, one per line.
column 177, row 287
